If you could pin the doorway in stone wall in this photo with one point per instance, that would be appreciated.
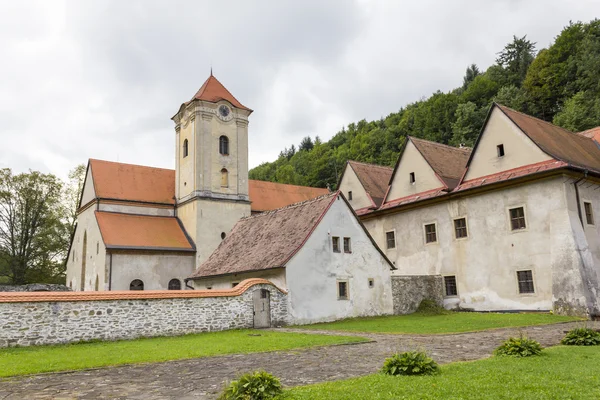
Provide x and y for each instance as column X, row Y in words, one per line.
column 262, row 308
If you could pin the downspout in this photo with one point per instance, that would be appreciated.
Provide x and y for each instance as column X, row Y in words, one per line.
column 110, row 273
column 577, row 195
column 186, row 280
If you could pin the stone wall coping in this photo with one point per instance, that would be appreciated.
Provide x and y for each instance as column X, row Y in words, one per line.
column 25, row 297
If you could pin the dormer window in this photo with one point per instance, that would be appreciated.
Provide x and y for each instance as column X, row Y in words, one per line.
column 224, row 145
column 185, row 148
column 500, row 150
column 412, row 178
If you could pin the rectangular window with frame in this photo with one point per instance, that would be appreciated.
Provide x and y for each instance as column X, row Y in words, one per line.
column 413, row 179
column 430, row 233
column 347, row 247
column 517, row 218
column 335, row 240
column 525, row 279
column 390, row 239
column 450, row 286
column 350, row 195
column 460, row 228
column 342, row 287
column 500, row 150
column 589, row 213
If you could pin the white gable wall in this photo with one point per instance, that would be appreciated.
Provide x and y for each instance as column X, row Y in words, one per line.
column 89, row 193
column 312, row 274
column 425, row 178
column 519, row 150
column 351, row 183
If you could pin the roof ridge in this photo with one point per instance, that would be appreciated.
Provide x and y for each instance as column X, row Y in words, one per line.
column 541, row 120
column 286, row 184
column 294, row 205
column 132, row 165
column 441, row 144
column 369, row 164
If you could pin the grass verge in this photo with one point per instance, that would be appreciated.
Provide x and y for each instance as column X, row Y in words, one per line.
column 37, row 359
column 560, row 373
column 451, row 322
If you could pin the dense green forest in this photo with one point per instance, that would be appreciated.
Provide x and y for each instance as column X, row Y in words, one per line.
column 560, row 84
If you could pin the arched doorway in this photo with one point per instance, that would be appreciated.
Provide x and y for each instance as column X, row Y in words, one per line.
column 136, row 284
column 83, row 260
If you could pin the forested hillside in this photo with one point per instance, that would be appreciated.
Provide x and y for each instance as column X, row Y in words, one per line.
column 560, row 84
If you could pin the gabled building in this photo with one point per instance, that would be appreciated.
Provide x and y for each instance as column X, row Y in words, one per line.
column 142, row 228
column 365, row 185
column 510, row 225
column 317, row 250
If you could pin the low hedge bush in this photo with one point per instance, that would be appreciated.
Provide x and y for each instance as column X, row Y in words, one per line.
column 519, row 347
column 410, row 363
column 258, row 385
column 581, row 337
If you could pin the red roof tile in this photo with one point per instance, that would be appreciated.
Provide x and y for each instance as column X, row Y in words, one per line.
column 593, row 133
column 213, row 91
column 373, row 178
column 266, row 241
column 133, row 182
column 266, row 196
column 128, row 231
column 21, row 297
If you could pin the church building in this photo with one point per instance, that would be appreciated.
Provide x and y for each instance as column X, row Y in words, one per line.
column 142, row 228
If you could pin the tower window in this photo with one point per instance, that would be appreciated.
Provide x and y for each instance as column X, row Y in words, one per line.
column 136, row 284
column 224, row 178
column 412, row 178
column 185, row 148
column 500, row 149
column 224, row 145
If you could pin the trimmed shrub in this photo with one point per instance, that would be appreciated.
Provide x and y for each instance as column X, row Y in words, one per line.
column 410, row 363
column 519, row 347
column 581, row 337
column 258, row 385
column 430, row 307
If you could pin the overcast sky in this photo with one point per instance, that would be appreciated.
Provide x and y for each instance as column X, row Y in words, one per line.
column 101, row 79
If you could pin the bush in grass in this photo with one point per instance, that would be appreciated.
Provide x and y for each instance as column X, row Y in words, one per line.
column 410, row 363
column 259, row 385
column 519, row 347
column 582, row 337
column 431, row 307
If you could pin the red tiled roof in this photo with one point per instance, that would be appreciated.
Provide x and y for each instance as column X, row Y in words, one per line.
column 593, row 133
column 573, row 148
column 266, row 196
column 373, row 178
column 22, row 297
column 448, row 162
column 429, row 194
column 133, row 182
column 128, row 231
column 213, row 91
column 266, row 241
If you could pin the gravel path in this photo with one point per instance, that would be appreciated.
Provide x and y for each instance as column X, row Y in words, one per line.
column 202, row 378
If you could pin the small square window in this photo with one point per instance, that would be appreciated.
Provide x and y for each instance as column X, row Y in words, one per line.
column 460, row 228
column 500, row 150
column 371, row 283
column 350, row 195
column 517, row 218
column 342, row 287
column 347, row 248
column 450, row 285
column 412, row 178
column 336, row 244
column 430, row 233
column 390, row 239
column 525, row 279
column 589, row 213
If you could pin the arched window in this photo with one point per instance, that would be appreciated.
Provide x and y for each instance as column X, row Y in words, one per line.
column 224, row 178
column 136, row 284
column 185, row 148
column 174, row 284
column 83, row 260
column 97, row 285
column 224, row 145
column 223, row 234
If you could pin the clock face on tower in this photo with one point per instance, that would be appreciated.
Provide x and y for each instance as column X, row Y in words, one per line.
column 224, row 112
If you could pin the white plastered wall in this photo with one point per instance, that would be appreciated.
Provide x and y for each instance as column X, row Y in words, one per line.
column 425, row 178
column 89, row 193
column 276, row 276
column 155, row 269
column 135, row 209
column 312, row 273
column 351, row 183
column 519, row 150
column 95, row 254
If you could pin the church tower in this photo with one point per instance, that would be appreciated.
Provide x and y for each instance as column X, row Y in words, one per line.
column 211, row 182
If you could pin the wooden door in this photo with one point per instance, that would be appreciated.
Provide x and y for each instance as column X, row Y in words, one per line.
column 262, row 308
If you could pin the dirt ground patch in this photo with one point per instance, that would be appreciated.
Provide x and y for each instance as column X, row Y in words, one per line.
column 204, row 377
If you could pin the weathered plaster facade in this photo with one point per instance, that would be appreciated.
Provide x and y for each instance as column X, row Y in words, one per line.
column 275, row 275
column 351, row 183
column 410, row 290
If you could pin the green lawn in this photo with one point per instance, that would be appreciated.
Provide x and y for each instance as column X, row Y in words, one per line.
column 452, row 322
column 560, row 373
column 32, row 360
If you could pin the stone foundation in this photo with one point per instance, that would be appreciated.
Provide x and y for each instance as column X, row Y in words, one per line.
column 409, row 290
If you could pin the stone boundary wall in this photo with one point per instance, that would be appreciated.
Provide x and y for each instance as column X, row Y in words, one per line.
column 409, row 290
column 28, row 319
column 35, row 287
